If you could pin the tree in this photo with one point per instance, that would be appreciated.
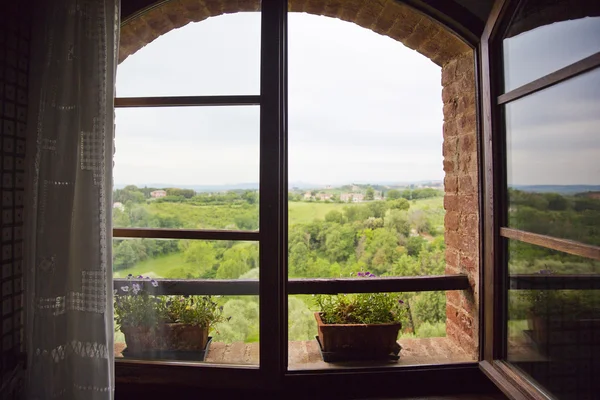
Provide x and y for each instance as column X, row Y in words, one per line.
column 414, row 244
column 369, row 194
column 299, row 257
column 377, row 209
column 398, row 221
column 393, row 195
column 202, row 254
column 339, row 243
column 399, row 204
column 334, row 216
column 124, row 255
column 250, row 196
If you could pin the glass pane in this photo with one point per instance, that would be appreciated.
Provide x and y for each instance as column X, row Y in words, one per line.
column 554, row 335
column 553, row 160
column 151, row 325
column 217, row 56
column 546, row 36
column 186, row 167
column 422, row 336
column 365, row 159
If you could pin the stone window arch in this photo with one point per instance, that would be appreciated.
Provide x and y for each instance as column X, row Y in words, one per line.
column 423, row 34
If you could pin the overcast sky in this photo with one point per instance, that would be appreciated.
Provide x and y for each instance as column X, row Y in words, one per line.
column 362, row 107
column 553, row 136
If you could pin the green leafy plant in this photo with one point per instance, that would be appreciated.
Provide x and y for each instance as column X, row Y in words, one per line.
column 362, row 308
column 136, row 307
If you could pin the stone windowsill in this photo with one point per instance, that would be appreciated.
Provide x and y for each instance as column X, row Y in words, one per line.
column 305, row 354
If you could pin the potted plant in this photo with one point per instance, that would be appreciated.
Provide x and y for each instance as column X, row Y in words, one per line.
column 153, row 324
column 360, row 326
column 561, row 320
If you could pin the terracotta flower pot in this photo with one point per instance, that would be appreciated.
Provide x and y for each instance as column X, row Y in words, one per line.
column 175, row 337
column 375, row 339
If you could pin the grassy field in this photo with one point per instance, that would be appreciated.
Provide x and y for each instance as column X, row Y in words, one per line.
column 154, row 268
column 299, row 212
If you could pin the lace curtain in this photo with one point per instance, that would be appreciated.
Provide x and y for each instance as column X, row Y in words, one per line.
column 69, row 332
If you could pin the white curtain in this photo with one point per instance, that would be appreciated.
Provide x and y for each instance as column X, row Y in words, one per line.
column 69, row 332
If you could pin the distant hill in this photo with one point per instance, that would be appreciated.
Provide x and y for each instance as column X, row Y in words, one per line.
column 564, row 189
column 254, row 185
column 197, row 188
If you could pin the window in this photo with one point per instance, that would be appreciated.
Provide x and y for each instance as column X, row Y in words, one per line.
column 548, row 258
column 233, row 241
column 186, row 196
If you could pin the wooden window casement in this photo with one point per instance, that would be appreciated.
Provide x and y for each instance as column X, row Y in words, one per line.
column 543, row 86
column 273, row 286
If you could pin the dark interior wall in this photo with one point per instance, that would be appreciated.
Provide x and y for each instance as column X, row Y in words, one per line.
column 15, row 25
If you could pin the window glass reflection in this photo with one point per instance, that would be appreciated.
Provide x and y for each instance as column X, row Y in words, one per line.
column 545, row 36
column 553, row 160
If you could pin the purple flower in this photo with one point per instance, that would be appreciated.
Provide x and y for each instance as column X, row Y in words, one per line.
column 125, row 288
column 367, row 273
column 360, row 274
column 371, row 275
column 400, row 301
column 140, row 277
column 136, row 287
column 154, row 283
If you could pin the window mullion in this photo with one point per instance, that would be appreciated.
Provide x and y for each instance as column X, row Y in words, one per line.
column 272, row 291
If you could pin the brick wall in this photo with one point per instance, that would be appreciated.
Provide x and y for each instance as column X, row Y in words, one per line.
column 14, row 63
column 461, row 197
column 418, row 32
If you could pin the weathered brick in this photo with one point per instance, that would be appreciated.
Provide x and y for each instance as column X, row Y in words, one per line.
column 449, row 72
column 466, row 185
column 468, row 203
column 450, row 128
column 468, row 264
column 466, row 123
column 451, row 220
column 451, row 202
column 452, row 256
column 449, row 166
column 451, row 184
column 467, row 143
column 452, row 239
column 390, row 14
column 315, row 7
column 369, row 13
column 468, row 243
column 454, row 297
column 449, row 92
column 333, row 8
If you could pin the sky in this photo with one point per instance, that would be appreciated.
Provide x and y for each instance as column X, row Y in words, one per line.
column 553, row 136
column 362, row 107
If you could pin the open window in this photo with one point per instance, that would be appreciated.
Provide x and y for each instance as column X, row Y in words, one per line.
column 266, row 249
column 542, row 268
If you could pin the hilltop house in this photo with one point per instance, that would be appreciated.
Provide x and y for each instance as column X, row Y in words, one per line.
column 158, row 193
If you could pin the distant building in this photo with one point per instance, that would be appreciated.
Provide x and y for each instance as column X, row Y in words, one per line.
column 119, row 205
column 352, row 197
column 358, row 197
column 307, row 196
column 324, row 196
column 346, row 197
column 158, row 193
